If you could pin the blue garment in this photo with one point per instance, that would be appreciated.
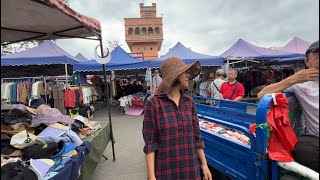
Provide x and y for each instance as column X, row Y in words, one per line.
column 79, row 78
column 14, row 92
column 70, row 171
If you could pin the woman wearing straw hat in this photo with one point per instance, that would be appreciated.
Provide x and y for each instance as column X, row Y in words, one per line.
column 173, row 143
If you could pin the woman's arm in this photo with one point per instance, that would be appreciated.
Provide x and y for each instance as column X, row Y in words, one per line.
column 150, row 134
column 150, row 165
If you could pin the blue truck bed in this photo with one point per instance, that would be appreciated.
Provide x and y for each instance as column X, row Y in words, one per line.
column 236, row 160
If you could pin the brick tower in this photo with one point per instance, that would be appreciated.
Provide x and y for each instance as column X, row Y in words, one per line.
column 145, row 34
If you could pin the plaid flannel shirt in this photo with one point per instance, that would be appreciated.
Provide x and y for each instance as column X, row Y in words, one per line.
column 173, row 133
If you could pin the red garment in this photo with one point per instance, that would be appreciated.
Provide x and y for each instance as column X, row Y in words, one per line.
column 70, row 98
column 226, row 89
column 282, row 138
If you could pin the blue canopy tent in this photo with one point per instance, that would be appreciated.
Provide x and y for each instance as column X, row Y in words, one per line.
column 81, row 58
column 120, row 60
column 33, row 60
column 44, row 54
column 188, row 57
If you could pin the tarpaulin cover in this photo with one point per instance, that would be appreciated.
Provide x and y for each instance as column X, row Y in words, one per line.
column 81, row 58
column 99, row 140
column 243, row 49
column 188, row 57
column 46, row 53
column 120, row 60
column 43, row 20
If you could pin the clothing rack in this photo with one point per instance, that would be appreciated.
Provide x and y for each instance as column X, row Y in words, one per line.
column 28, row 78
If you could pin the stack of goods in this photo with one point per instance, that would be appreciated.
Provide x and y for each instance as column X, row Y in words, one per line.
column 224, row 131
column 40, row 142
column 125, row 101
column 137, row 99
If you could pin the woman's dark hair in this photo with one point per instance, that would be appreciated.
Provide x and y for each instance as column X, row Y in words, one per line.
column 176, row 83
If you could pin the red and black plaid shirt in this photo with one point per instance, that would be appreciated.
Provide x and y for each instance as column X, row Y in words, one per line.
column 173, row 133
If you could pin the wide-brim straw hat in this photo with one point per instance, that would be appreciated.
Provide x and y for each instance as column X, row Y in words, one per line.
column 171, row 69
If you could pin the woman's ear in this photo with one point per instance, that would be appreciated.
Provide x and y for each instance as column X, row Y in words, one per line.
column 306, row 60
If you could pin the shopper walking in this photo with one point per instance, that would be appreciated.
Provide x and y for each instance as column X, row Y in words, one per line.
column 216, row 84
column 156, row 81
column 173, row 143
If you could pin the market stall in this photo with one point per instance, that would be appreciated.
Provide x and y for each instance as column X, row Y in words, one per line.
column 255, row 64
column 121, row 61
column 45, row 20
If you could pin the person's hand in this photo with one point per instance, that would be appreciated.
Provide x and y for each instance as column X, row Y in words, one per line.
column 305, row 75
column 206, row 173
column 152, row 178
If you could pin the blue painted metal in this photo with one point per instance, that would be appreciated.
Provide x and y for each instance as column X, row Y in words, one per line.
column 236, row 160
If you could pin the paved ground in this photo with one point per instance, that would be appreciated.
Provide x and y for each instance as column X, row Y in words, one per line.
column 130, row 159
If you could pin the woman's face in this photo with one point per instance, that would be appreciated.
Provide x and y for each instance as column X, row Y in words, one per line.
column 184, row 80
column 313, row 61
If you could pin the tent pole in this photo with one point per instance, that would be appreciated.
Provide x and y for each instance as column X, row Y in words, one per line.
column 108, row 101
column 66, row 69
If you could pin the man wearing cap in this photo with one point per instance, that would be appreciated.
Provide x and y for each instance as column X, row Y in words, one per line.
column 305, row 86
column 156, row 81
column 173, row 143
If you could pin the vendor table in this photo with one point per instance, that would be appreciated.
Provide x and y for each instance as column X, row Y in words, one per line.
column 99, row 140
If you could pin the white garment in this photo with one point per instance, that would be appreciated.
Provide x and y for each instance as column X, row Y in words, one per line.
column 148, row 77
column 35, row 90
column 156, row 81
column 307, row 94
column 216, row 92
column 202, row 88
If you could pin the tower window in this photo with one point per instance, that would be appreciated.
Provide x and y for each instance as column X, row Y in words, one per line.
column 157, row 30
column 137, row 30
column 130, row 31
column 144, row 30
column 150, row 48
column 150, row 30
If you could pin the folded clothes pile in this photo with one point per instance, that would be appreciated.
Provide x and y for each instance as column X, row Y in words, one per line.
column 224, row 131
column 37, row 141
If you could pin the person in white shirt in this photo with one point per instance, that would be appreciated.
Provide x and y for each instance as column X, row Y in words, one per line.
column 305, row 86
column 156, row 81
column 216, row 84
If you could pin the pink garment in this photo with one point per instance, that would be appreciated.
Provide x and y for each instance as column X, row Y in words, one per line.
column 50, row 116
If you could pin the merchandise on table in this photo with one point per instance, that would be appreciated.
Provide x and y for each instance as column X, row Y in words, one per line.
column 43, row 150
column 138, row 99
column 224, row 131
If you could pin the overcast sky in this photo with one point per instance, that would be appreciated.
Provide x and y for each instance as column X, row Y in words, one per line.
column 207, row 26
